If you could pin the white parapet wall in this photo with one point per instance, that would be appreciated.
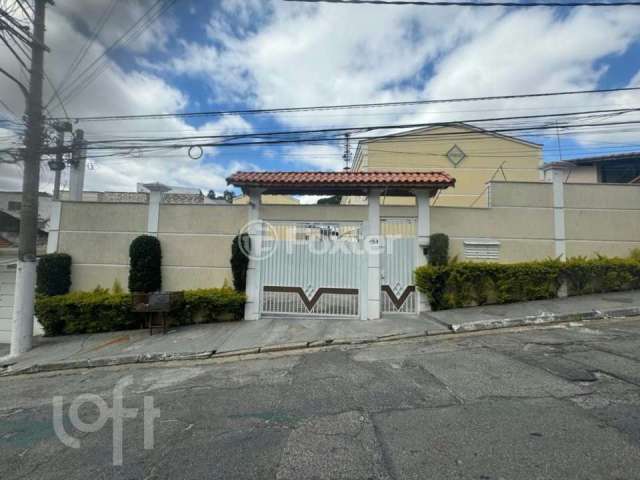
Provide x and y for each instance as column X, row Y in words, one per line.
column 196, row 239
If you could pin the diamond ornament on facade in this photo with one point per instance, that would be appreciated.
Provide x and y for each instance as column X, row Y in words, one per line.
column 456, row 155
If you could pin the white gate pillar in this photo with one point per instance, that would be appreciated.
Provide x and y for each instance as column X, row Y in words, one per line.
column 423, row 231
column 254, row 229
column 373, row 256
column 153, row 213
column 558, row 175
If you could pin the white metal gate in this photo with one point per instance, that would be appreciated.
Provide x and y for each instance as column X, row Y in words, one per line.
column 397, row 263
column 312, row 268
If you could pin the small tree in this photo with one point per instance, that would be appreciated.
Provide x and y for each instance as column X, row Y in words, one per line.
column 240, row 247
column 145, row 260
column 53, row 274
column 438, row 249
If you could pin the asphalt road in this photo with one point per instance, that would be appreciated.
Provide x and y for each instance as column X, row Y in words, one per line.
column 559, row 403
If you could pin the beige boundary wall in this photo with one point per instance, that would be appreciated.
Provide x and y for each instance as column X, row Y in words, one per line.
column 196, row 239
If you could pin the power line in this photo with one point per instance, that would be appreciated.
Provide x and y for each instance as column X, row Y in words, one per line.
column 135, row 35
column 88, row 75
column 342, row 130
column 339, row 138
column 473, row 4
column 77, row 61
column 349, row 106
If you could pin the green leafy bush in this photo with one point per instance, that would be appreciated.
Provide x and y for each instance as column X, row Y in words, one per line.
column 145, row 257
column 463, row 284
column 53, row 274
column 598, row 275
column 86, row 312
column 212, row 305
column 240, row 261
column 103, row 311
column 438, row 249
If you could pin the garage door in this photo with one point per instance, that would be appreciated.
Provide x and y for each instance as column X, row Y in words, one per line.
column 7, row 285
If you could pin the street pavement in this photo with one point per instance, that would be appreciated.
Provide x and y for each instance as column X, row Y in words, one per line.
column 559, row 402
column 226, row 337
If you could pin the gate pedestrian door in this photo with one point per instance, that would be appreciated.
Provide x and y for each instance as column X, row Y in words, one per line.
column 398, row 291
column 310, row 268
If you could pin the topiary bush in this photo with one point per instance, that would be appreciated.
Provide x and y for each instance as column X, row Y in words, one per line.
column 438, row 249
column 53, row 274
column 464, row 284
column 240, row 261
column 145, row 259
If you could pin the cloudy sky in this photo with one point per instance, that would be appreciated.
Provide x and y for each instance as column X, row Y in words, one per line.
column 245, row 54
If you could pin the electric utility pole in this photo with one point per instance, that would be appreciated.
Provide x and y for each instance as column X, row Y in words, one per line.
column 23, row 309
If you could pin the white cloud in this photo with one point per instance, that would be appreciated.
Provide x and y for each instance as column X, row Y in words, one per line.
column 271, row 54
column 321, row 157
column 116, row 92
column 327, row 54
column 124, row 17
column 336, row 54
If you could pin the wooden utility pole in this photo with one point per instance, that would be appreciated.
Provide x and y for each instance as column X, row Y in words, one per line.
column 23, row 309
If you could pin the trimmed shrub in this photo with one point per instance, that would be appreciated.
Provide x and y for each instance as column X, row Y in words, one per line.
column 53, row 274
column 212, row 305
column 86, row 312
column 145, row 259
column 240, row 261
column 601, row 274
column 438, row 249
column 103, row 311
column 464, row 284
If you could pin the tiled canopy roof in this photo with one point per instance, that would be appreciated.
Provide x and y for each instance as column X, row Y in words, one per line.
column 331, row 182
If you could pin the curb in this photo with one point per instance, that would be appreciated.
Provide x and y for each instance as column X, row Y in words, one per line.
column 542, row 318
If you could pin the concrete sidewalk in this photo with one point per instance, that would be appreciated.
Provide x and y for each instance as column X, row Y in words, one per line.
column 237, row 338
column 584, row 307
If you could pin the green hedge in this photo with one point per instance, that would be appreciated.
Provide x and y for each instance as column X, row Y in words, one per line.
column 212, row 305
column 85, row 312
column 53, row 274
column 463, row 284
column 103, row 311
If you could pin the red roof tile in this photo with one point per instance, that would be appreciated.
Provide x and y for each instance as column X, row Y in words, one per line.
column 342, row 179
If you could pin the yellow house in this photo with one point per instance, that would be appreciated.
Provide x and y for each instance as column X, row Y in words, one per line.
column 472, row 155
